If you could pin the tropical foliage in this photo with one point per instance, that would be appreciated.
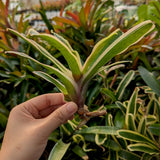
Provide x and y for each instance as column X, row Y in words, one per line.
column 102, row 60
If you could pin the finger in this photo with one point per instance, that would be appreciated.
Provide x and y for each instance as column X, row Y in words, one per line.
column 59, row 116
column 47, row 111
column 44, row 101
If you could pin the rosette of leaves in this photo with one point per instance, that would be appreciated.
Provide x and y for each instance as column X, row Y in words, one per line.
column 74, row 80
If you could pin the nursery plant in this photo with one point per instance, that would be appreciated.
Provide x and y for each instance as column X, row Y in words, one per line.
column 73, row 82
column 83, row 25
column 73, row 79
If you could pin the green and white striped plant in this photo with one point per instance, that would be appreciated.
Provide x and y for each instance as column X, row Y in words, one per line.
column 73, row 81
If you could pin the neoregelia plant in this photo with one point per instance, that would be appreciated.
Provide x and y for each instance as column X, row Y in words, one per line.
column 73, row 81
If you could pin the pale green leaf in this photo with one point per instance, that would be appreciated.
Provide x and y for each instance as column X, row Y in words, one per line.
column 68, row 54
column 67, row 81
column 52, row 80
column 58, row 150
column 42, row 50
column 119, row 46
column 99, row 130
column 99, row 48
column 116, row 65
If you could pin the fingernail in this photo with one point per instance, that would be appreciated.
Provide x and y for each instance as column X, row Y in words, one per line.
column 71, row 107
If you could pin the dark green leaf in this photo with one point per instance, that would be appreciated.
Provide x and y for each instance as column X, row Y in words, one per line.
column 150, row 80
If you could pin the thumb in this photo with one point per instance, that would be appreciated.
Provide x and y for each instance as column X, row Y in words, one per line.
column 60, row 116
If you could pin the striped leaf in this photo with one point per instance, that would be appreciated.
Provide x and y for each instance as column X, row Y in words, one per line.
column 155, row 129
column 142, row 148
column 41, row 50
column 80, row 152
column 58, row 150
column 52, row 80
column 150, row 80
column 121, row 107
column 124, row 83
column 99, row 130
column 67, row 81
column 132, row 106
column 119, row 46
column 146, row 156
column 130, row 122
column 127, row 155
column 99, row 48
column 67, row 52
column 136, row 137
column 142, row 126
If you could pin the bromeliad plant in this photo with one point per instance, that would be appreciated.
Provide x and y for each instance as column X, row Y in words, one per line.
column 74, row 80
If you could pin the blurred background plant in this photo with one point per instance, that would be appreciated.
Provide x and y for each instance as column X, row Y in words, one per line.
column 129, row 91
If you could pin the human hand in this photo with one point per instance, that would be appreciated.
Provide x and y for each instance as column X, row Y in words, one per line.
column 31, row 123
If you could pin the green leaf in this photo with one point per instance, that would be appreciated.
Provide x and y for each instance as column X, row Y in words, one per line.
column 136, row 137
column 146, row 156
column 126, row 155
column 131, row 111
column 66, row 51
column 99, row 48
column 111, row 144
column 130, row 122
column 155, row 129
column 44, row 17
column 151, row 119
column 109, row 93
column 3, row 120
column 142, row 148
column 52, row 80
column 132, row 106
column 40, row 49
column 67, row 81
column 123, row 84
column 82, row 17
column 79, row 151
column 150, row 80
column 119, row 119
column 58, row 150
column 115, row 65
column 119, row 46
column 113, row 155
column 142, row 126
column 99, row 130
column 121, row 107
column 1, row 135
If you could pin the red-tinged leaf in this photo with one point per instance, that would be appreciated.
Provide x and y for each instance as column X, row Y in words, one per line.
column 2, row 9
column 74, row 16
column 20, row 24
column 4, row 38
column 88, row 7
column 6, row 7
column 66, row 21
column 61, row 12
column 82, row 17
